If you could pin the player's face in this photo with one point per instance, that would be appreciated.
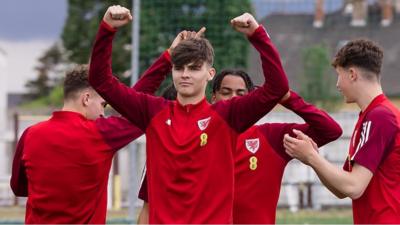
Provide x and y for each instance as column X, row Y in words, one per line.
column 95, row 105
column 231, row 86
column 344, row 84
column 191, row 80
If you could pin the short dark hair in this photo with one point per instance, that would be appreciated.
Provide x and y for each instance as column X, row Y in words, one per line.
column 194, row 50
column 76, row 80
column 169, row 92
column 361, row 53
column 216, row 85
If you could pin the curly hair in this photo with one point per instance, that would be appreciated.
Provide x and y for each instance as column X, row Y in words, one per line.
column 76, row 80
column 361, row 53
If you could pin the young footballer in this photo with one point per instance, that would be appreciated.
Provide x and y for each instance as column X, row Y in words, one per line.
column 260, row 158
column 371, row 172
column 190, row 143
column 62, row 164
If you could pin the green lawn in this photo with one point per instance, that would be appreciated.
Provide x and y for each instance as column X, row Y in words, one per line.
column 14, row 215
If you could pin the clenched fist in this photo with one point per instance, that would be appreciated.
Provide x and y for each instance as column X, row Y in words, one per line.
column 117, row 16
column 246, row 24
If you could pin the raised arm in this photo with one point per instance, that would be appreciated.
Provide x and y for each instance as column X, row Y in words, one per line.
column 137, row 107
column 318, row 125
column 19, row 181
column 243, row 112
column 152, row 78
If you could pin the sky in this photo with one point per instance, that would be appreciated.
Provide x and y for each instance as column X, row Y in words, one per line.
column 22, row 20
column 27, row 29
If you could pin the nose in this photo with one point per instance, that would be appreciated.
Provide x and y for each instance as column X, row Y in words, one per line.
column 185, row 73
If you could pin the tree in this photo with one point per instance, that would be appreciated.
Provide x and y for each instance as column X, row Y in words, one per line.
column 81, row 27
column 160, row 21
column 48, row 73
column 317, row 85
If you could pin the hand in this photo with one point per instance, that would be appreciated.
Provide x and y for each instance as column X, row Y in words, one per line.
column 302, row 147
column 245, row 24
column 183, row 35
column 117, row 16
column 285, row 97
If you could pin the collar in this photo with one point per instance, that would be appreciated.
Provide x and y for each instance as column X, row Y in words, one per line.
column 192, row 107
column 67, row 115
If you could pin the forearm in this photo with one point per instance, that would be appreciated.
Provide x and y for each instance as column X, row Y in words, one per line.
column 136, row 107
column 276, row 83
column 322, row 128
column 154, row 75
column 144, row 214
column 341, row 183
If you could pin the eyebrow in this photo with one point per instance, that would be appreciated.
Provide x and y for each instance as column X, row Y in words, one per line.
column 230, row 89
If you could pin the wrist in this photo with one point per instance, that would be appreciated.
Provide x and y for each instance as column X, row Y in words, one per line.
column 312, row 158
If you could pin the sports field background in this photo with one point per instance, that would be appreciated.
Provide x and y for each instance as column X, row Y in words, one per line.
column 14, row 215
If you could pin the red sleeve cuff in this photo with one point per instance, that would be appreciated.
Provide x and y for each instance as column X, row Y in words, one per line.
column 167, row 56
column 108, row 27
column 259, row 31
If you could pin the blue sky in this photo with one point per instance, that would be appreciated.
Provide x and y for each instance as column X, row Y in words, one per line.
column 22, row 20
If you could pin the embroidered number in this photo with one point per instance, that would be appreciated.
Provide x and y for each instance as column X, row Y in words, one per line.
column 253, row 163
column 203, row 139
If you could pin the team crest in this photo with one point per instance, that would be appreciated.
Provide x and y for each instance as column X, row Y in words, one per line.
column 203, row 124
column 252, row 145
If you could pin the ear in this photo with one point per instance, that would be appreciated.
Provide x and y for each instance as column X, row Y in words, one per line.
column 85, row 98
column 213, row 98
column 211, row 74
column 353, row 73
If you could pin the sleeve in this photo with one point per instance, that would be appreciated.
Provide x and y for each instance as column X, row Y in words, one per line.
column 19, row 180
column 321, row 127
column 318, row 125
column 139, row 108
column 243, row 112
column 154, row 75
column 143, row 194
column 117, row 131
column 378, row 132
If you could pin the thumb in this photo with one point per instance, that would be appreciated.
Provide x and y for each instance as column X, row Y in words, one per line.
column 300, row 135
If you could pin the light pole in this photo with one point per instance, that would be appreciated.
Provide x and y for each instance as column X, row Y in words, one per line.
column 133, row 177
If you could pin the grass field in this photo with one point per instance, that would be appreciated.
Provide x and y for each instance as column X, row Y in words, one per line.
column 15, row 215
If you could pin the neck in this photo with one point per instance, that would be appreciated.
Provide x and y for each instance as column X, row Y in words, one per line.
column 367, row 94
column 183, row 100
column 71, row 107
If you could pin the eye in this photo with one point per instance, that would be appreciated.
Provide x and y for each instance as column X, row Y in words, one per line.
column 178, row 68
column 104, row 104
column 225, row 92
column 241, row 93
column 194, row 67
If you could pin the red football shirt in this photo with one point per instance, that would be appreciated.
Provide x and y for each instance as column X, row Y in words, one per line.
column 260, row 160
column 189, row 148
column 375, row 145
column 62, row 166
